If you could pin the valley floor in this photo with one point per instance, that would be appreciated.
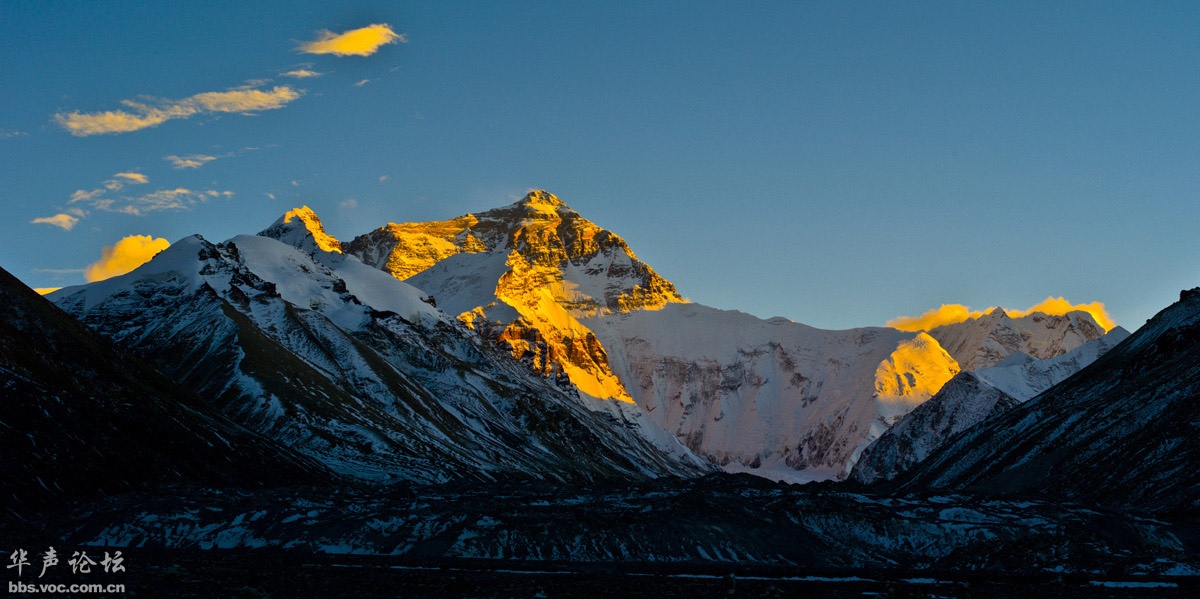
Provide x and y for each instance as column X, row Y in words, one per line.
column 721, row 535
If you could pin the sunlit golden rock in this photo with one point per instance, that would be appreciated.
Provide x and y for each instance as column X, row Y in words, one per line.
column 558, row 267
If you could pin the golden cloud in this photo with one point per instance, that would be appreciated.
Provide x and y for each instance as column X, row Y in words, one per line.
column 193, row 161
column 956, row 313
column 61, row 220
column 356, row 42
column 124, row 256
column 1058, row 306
column 132, row 177
column 151, row 112
column 946, row 314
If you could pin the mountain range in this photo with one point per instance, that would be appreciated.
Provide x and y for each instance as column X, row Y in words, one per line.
column 428, row 352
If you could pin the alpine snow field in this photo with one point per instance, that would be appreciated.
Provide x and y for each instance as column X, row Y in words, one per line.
column 512, row 403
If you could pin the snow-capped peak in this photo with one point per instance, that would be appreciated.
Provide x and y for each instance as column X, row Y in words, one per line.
column 301, row 228
column 541, row 197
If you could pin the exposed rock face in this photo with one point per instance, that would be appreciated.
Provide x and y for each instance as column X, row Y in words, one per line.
column 523, row 275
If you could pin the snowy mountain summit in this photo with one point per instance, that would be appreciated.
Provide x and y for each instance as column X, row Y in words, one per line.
column 524, row 275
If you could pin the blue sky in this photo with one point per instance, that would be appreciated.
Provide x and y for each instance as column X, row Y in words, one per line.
column 839, row 164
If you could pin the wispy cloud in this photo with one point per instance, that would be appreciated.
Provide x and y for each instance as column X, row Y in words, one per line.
column 132, row 177
column 106, row 198
column 61, row 220
column 83, row 195
column 364, row 41
column 191, row 161
column 384, row 178
column 59, row 271
column 349, row 203
column 179, row 198
column 362, row 83
column 301, row 74
column 124, row 256
column 5, row 134
column 148, row 112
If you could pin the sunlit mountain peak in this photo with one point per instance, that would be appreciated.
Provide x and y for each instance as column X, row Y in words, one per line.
column 300, row 224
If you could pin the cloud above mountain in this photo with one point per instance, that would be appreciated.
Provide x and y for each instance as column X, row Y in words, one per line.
column 363, row 41
column 123, row 256
column 955, row 313
column 146, row 112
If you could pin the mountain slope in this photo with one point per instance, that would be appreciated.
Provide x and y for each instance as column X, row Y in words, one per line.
column 968, row 399
column 985, row 341
column 1122, row 430
column 348, row 365
column 771, row 397
column 82, row 418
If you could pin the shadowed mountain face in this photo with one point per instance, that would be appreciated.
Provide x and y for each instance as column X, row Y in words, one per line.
column 1123, row 430
column 969, row 398
column 82, row 419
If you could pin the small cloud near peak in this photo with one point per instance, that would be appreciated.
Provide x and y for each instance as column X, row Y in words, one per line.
column 946, row 314
column 364, row 41
column 1058, row 306
column 123, row 256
